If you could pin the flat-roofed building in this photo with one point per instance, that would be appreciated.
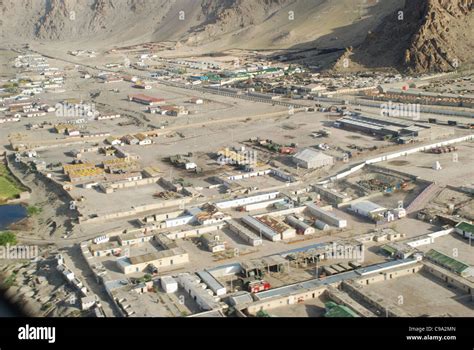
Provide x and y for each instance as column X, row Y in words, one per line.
column 146, row 100
column 160, row 259
column 465, row 229
column 105, row 248
column 212, row 242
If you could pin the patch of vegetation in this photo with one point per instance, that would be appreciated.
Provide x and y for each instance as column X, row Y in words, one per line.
column 262, row 313
column 146, row 278
column 7, row 237
column 10, row 281
column 33, row 210
column 9, row 187
column 46, row 306
column 10, row 87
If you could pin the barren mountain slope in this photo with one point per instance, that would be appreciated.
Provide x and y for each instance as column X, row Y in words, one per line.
column 429, row 35
column 217, row 23
column 424, row 35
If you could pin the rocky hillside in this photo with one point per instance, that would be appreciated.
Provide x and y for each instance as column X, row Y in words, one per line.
column 418, row 35
column 422, row 36
column 218, row 23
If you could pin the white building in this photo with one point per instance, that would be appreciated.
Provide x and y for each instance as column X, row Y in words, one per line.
column 212, row 283
column 169, row 284
column 247, row 200
column 326, row 216
column 88, row 302
column 367, row 209
column 191, row 283
column 312, row 159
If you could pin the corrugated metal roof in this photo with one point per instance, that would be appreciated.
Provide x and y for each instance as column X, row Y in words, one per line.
column 309, row 155
column 366, row 206
column 210, row 281
column 266, row 231
column 446, row 261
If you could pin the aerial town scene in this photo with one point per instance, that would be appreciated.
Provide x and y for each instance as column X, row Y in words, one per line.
column 241, row 158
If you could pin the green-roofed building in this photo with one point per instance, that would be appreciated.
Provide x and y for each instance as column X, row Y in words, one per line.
column 449, row 263
column 465, row 229
column 335, row 310
column 213, row 77
column 391, row 251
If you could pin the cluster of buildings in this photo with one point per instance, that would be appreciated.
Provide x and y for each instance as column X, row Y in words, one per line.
column 140, row 139
column 13, row 109
column 119, row 168
column 401, row 130
column 157, row 105
column 254, row 216
column 36, row 76
column 88, row 300
column 414, row 95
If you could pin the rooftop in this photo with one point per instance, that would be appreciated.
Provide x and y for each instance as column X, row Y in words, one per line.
column 466, row 227
column 309, row 154
column 446, row 261
column 145, row 98
column 149, row 257
column 339, row 311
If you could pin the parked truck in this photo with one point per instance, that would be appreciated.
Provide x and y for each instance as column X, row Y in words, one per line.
column 258, row 286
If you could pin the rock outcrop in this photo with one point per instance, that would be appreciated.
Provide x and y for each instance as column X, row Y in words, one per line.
column 423, row 36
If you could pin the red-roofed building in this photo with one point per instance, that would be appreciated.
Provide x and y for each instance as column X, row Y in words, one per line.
column 146, row 100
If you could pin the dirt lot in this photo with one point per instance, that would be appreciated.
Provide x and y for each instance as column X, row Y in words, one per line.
column 423, row 295
column 453, row 173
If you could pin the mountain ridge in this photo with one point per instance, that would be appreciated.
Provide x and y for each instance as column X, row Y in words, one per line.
column 434, row 35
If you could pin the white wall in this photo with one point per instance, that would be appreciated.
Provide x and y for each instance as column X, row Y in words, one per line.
column 247, row 200
column 179, row 221
column 398, row 154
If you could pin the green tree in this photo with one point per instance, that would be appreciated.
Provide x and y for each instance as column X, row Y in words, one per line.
column 7, row 238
